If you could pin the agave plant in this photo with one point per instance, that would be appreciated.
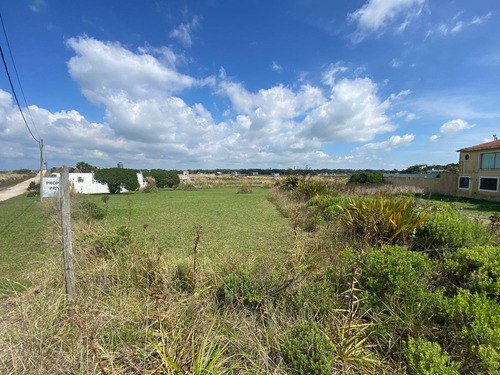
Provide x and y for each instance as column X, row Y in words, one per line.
column 380, row 220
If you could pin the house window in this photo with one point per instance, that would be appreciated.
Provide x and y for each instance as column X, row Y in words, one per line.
column 467, row 156
column 464, row 182
column 80, row 179
column 490, row 160
column 488, row 183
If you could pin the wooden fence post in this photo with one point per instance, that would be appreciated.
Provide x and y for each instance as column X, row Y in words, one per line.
column 69, row 276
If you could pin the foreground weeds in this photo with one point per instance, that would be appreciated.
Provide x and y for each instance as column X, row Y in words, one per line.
column 336, row 302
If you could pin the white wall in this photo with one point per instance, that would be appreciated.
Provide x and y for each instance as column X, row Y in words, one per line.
column 84, row 183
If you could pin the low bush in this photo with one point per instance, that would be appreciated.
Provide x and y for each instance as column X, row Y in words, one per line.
column 475, row 319
column 366, row 178
column 106, row 242
column 328, row 206
column 87, row 211
column 185, row 187
column 446, row 229
column 306, row 350
column 394, row 271
column 151, row 187
column 245, row 188
column 476, row 269
column 427, row 358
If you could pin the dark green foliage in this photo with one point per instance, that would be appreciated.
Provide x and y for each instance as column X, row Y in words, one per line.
column 87, row 211
column 427, row 358
column 163, row 178
column 290, row 183
column 34, row 186
column 445, row 228
column 85, row 167
column 415, row 169
column 116, row 178
column 366, row 178
column 306, row 350
column 22, row 171
column 476, row 269
column 33, row 193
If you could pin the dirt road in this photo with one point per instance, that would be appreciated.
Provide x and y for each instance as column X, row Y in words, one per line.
column 18, row 189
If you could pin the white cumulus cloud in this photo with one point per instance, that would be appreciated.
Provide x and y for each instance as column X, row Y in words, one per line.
column 451, row 128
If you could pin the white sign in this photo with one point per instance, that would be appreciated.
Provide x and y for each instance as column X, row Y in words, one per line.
column 50, row 187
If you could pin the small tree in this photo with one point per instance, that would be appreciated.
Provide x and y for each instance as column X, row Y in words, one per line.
column 85, row 167
column 163, row 178
column 116, row 178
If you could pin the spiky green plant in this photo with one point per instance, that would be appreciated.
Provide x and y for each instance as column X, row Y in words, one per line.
column 380, row 220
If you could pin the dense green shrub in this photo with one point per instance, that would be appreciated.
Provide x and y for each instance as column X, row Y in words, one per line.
column 116, row 178
column 380, row 220
column 306, row 350
column 427, row 358
column 34, row 186
column 87, row 211
column 163, row 178
column 290, row 183
column 476, row 320
column 329, row 206
column 394, row 271
column 476, row 269
column 445, row 228
column 366, row 178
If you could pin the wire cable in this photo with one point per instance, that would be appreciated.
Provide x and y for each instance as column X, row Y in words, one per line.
column 15, row 96
column 17, row 75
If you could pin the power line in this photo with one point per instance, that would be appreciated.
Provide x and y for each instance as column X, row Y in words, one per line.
column 17, row 75
column 15, row 96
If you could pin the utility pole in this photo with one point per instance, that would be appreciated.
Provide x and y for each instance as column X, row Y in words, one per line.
column 41, row 169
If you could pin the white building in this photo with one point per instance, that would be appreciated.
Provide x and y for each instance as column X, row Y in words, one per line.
column 86, row 184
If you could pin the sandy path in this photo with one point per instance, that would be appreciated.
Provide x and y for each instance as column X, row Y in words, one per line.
column 18, row 189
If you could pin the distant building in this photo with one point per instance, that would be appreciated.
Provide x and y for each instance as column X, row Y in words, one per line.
column 120, row 164
column 185, row 176
column 275, row 175
column 255, row 173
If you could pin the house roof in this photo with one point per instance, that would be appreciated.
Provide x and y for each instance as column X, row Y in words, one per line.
column 482, row 146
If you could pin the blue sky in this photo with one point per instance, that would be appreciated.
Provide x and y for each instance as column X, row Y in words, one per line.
column 232, row 84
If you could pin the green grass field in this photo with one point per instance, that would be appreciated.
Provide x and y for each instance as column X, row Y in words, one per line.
column 24, row 241
column 232, row 224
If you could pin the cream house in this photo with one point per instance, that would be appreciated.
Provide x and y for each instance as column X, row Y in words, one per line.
column 479, row 171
